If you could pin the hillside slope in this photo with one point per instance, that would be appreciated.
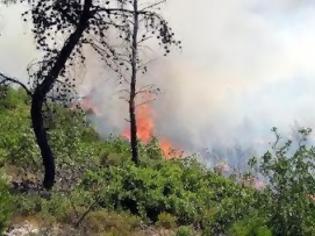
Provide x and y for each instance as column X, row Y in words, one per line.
column 99, row 191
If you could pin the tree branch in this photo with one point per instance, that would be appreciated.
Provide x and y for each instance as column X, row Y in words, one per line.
column 153, row 5
column 6, row 79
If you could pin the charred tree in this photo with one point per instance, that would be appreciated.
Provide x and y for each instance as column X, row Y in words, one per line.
column 43, row 89
column 82, row 23
column 88, row 23
column 133, row 83
column 51, row 71
column 140, row 25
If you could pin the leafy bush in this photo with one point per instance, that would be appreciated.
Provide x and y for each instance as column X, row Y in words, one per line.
column 6, row 202
column 91, row 171
column 111, row 223
column 185, row 231
column 154, row 190
column 181, row 188
column 166, row 220
column 288, row 198
column 250, row 226
column 17, row 142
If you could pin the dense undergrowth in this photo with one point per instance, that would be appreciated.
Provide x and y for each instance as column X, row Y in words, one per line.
column 99, row 191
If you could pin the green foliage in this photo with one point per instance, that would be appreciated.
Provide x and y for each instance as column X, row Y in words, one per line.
column 111, row 223
column 182, row 189
column 11, row 98
column 185, row 231
column 166, row 220
column 91, row 170
column 6, row 204
column 250, row 226
column 288, row 199
column 97, row 176
column 17, row 143
column 56, row 207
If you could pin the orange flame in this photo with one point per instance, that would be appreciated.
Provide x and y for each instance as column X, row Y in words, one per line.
column 168, row 150
column 145, row 124
column 145, row 132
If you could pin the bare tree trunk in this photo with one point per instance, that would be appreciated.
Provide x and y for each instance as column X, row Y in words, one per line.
column 133, row 83
column 44, row 88
column 41, row 138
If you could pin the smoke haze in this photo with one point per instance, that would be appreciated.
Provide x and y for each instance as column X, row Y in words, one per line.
column 246, row 66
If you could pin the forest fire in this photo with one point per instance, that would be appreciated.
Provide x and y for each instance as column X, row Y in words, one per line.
column 146, row 131
column 168, row 150
column 145, row 126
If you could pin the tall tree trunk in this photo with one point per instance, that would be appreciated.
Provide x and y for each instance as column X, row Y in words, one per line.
column 44, row 88
column 133, row 83
column 42, row 141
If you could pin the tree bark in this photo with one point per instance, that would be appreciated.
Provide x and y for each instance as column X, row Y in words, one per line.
column 43, row 89
column 133, row 83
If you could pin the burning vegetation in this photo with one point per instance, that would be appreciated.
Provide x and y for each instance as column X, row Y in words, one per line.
column 146, row 132
column 146, row 128
column 100, row 190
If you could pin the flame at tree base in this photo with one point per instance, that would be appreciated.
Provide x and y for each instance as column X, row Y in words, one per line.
column 145, row 133
column 145, row 127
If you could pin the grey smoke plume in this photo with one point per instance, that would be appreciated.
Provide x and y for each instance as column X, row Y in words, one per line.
column 247, row 65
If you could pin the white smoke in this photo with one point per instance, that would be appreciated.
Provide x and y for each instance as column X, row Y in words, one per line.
column 246, row 66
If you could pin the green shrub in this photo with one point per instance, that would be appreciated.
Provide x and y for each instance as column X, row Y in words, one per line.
column 6, row 204
column 287, row 198
column 167, row 193
column 250, row 226
column 111, row 223
column 182, row 189
column 58, row 205
column 55, row 207
column 185, row 231
column 17, row 142
column 166, row 220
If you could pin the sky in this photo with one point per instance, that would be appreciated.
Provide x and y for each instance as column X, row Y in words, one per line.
column 246, row 66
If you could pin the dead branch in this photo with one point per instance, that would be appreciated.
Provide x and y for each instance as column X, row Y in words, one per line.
column 6, row 79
